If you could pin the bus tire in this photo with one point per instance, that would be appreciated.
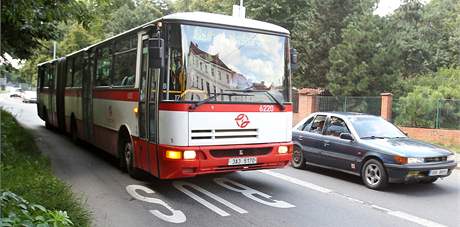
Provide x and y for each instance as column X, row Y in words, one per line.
column 127, row 157
column 74, row 131
column 47, row 122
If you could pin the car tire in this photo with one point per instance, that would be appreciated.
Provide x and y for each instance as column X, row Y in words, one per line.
column 374, row 175
column 429, row 181
column 298, row 159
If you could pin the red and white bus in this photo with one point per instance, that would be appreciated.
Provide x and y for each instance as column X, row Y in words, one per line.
column 186, row 94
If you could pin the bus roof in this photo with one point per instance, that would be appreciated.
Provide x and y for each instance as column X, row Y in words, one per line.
column 200, row 17
column 220, row 19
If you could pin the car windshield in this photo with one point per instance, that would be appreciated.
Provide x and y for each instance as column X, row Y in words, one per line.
column 222, row 63
column 374, row 127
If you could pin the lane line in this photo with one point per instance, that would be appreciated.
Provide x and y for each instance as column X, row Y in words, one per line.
column 399, row 214
column 296, row 181
column 415, row 219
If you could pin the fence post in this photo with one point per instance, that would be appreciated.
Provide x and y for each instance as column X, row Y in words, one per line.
column 345, row 104
column 386, row 106
column 436, row 121
column 307, row 105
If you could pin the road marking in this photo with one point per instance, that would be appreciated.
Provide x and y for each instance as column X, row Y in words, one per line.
column 415, row 219
column 179, row 185
column 251, row 193
column 296, row 181
column 399, row 214
column 177, row 216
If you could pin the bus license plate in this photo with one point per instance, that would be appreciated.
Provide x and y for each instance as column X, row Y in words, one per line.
column 438, row 172
column 242, row 161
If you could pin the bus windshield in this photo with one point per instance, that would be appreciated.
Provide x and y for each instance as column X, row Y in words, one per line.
column 224, row 65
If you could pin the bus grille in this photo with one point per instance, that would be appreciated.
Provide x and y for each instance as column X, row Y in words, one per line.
column 436, row 159
column 216, row 134
column 241, row 152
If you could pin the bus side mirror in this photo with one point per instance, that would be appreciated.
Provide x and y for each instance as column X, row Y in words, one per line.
column 294, row 60
column 156, row 52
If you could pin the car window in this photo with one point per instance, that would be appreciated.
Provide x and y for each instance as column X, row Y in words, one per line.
column 335, row 127
column 306, row 125
column 318, row 124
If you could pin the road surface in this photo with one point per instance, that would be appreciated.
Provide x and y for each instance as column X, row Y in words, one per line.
column 284, row 197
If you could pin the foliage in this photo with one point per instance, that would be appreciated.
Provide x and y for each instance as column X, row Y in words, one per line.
column 26, row 172
column 28, row 22
column 127, row 17
column 419, row 108
column 16, row 211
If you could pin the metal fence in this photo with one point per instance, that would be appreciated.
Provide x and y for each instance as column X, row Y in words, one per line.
column 369, row 104
column 427, row 113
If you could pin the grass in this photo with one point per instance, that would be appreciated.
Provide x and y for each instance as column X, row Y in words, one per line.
column 27, row 173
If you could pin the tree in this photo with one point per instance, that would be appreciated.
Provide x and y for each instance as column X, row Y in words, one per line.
column 127, row 17
column 26, row 23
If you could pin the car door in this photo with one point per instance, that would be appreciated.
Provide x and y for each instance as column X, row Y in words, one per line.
column 339, row 153
column 311, row 139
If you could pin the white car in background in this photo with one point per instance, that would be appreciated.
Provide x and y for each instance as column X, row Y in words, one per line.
column 16, row 93
column 29, row 97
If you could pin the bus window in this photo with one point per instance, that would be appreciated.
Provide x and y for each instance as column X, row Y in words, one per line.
column 78, row 71
column 124, row 64
column 103, row 66
column 69, row 73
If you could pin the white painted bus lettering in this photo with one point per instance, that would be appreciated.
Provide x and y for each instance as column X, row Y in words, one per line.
column 177, row 215
column 250, row 193
column 179, row 185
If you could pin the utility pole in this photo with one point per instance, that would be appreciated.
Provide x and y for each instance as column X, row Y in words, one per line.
column 54, row 49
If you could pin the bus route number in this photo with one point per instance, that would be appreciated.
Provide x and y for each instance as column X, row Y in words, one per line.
column 266, row 108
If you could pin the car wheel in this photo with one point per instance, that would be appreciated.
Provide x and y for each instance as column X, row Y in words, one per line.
column 429, row 181
column 374, row 175
column 298, row 160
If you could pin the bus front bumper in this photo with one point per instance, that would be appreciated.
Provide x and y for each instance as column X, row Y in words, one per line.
column 216, row 159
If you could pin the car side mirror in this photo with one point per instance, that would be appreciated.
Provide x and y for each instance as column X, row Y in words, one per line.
column 156, row 52
column 346, row 136
column 294, row 60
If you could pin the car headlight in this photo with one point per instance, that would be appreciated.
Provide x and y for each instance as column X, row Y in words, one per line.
column 451, row 157
column 414, row 160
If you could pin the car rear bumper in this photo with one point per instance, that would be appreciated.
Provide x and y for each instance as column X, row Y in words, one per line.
column 416, row 172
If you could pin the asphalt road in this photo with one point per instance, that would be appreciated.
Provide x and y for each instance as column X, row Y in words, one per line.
column 284, row 197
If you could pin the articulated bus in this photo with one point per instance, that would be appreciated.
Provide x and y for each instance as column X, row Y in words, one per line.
column 186, row 94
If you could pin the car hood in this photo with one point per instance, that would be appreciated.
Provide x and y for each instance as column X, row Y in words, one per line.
column 406, row 147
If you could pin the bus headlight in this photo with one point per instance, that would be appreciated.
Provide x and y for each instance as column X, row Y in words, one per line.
column 173, row 154
column 189, row 154
column 283, row 149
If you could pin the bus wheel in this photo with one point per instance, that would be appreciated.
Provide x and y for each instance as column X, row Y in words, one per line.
column 47, row 122
column 73, row 131
column 127, row 158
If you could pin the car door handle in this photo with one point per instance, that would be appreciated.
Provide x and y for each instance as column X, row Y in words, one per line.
column 300, row 137
column 326, row 144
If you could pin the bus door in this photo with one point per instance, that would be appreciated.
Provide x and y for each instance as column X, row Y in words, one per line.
column 61, row 76
column 52, row 93
column 147, row 158
column 87, row 95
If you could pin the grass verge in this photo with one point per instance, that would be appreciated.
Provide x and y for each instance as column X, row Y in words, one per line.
column 27, row 173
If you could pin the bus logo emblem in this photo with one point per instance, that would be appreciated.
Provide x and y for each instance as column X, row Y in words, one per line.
column 242, row 120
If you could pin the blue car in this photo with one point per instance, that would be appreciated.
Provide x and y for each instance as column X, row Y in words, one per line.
column 367, row 146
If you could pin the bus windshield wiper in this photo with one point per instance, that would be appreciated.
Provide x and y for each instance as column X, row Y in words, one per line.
column 213, row 97
column 282, row 107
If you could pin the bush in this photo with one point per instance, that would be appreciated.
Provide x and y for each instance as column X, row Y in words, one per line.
column 27, row 173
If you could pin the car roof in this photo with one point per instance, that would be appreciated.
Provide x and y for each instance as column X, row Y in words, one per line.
column 345, row 114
